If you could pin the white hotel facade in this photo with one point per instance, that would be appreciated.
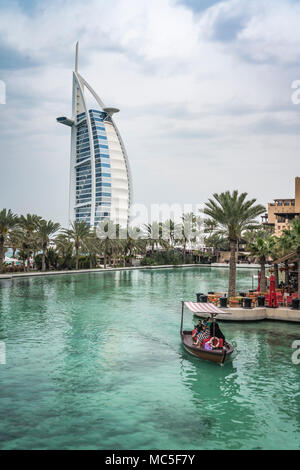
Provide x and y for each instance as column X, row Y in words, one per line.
column 100, row 182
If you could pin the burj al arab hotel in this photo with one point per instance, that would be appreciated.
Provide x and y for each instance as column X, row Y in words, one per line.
column 100, row 183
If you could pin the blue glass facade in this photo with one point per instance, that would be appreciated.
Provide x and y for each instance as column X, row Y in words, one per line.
column 84, row 168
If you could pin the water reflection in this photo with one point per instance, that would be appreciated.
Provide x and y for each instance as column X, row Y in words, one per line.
column 248, row 396
column 95, row 361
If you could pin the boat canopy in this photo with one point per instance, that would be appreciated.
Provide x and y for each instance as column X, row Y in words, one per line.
column 196, row 307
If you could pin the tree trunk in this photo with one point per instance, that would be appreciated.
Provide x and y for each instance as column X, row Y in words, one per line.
column 2, row 254
column 28, row 263
column 77, row 258
column 33, row 257
column 286, row 280
column 263, row 286
column 184, row 253
column 105, row 261
column 44, row 261
column 298, row 267
column 276, row 274
column 91, row 262
column 232, row 269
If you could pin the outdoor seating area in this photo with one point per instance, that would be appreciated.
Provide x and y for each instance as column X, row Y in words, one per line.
column 272, row 298
column 280, row 289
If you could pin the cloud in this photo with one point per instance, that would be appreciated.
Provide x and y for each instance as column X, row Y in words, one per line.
column 202, row 91
column 265, row 31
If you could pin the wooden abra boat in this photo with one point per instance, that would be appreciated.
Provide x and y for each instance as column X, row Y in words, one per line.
column 218, row 355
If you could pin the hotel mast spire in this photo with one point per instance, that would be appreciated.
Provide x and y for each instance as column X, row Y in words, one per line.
column 76, row 57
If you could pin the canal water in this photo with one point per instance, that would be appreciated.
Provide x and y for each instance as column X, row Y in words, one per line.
column 94, row 361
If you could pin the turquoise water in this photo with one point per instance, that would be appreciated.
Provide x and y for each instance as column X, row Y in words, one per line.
column 95, row 362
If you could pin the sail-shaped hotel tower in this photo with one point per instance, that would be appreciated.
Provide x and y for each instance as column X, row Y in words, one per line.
column 100, row 183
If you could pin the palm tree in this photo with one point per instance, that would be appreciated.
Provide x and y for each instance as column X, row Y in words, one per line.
column 29, row 224
column 64, row 247
column 132, row 246
column 149, row 235
column 233, row 215
column 188, row 231
column 293, row 238
column 210, row 226
column 22, row 255
column 14, row 240
column 169, row 233
column 159, row 234
column 274, row 256
column 262, row 247
column 109, row 242
column 44, row 231
column 152, row 234
column 91, row 246
column 286, row 245
column 79, row 233
column 137, row 247
column 8, row 220
column 217, row 243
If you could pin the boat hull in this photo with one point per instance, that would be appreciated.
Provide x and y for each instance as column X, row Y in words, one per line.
column 219, row 356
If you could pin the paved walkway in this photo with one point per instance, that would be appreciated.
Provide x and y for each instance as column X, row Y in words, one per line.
column 98, row 271
column 85, row 271
column 258, row 314
column 240, row 265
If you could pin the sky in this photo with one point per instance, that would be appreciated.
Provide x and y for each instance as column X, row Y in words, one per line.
column 204, row 89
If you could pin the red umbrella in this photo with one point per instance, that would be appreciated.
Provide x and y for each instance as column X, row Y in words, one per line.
column 272, row 293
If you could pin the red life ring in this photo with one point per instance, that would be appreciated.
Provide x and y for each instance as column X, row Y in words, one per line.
column 211, row 342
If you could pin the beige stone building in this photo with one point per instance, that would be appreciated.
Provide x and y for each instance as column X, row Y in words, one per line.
column 282, row 211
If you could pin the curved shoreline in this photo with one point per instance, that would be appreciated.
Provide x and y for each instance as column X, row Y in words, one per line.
column 110, row 270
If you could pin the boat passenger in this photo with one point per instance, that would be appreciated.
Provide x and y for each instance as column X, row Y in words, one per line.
column 207, row 347
column 194, row 333
column 206, row 327
column 215, row 330
column 203, row 334
column 207, row 323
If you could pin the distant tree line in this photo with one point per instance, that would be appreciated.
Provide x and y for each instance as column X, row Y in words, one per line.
column 230, row 218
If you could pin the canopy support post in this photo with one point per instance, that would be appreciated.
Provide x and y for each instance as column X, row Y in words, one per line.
column 182, row 312
column 214, row 326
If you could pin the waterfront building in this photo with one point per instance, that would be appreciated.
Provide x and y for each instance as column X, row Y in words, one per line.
column 100, row 183
column 282, row 212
